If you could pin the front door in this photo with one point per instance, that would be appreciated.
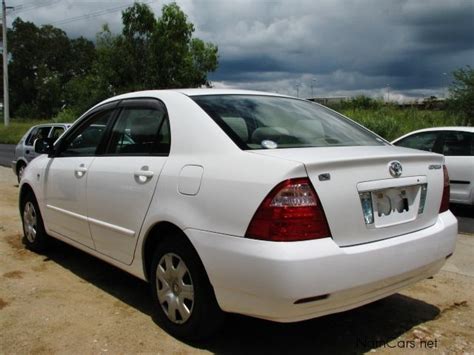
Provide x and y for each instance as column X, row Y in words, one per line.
column 121, row 182
column 66, row 178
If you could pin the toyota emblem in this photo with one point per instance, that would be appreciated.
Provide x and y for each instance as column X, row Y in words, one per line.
column 395, row 168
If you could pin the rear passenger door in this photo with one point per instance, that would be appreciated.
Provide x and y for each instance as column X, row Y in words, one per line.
column 458, row 149
column 429, row 141
column 122, row 180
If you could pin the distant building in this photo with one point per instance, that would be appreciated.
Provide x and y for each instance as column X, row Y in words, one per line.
column 329, row 100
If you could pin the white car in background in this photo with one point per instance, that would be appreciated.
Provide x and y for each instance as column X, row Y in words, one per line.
column 457, row 145
column 238, row 201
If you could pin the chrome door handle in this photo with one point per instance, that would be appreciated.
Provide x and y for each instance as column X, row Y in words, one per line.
column 143, row 175
column 146, row 173
column 80, row 171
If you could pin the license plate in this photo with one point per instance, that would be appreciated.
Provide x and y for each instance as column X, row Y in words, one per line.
column 390, row 206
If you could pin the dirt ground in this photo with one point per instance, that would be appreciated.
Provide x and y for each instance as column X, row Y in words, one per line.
column 68, row 302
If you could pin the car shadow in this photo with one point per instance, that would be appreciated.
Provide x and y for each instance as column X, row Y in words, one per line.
column 465, row 216
column 462, row 210
column 355, row 331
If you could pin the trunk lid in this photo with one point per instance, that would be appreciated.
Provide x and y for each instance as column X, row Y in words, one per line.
column 350, row 179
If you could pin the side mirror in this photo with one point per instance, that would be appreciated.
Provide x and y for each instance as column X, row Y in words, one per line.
column 44, row 146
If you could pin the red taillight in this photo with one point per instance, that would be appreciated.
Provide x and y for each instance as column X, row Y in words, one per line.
column 446, row 190
column 290, row 212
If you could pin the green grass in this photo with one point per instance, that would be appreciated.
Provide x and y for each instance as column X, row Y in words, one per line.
column 392, row 122
column 16, row 129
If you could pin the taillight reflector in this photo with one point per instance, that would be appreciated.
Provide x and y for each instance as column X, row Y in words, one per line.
column 446, row 191
column 291, row 212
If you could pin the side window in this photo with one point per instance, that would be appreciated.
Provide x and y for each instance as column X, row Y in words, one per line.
column 39, row 132
column 87, row 138
column 29, row 139
column 422, row 141
column 56, row 132
column 140, row 131
column 458, row 144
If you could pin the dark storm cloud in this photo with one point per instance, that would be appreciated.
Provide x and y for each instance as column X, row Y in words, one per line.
column 407, row 45
column 444, row 28
column 337, row 47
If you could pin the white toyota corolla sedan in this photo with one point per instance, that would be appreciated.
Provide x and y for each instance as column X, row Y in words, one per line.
column 238, row 201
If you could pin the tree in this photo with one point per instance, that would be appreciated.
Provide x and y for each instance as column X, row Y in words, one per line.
column 462, row 93
column 161, row 53
column 50, row 71
column 43, row 61
column 150, row 53
column 178, row 59
column 139, row 24
column 23, row 43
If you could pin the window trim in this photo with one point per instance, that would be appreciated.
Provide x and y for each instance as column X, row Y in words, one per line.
column 116, row 106
column 34, row 129
column 59, row 148
column 143, row 103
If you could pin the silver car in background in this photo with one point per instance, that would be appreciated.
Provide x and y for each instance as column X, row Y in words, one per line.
column 24, row 150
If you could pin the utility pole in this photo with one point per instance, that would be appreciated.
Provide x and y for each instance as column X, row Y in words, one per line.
column 313, row 82
column 446, row 88
column 6, row 98
column 297, row 90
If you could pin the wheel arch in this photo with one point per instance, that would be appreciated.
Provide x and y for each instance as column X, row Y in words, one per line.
column 20, row 162
column 159, row 232
column 24, row 190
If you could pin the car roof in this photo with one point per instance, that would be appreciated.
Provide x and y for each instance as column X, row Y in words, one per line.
column 212, row 91
column 434, row 129
column 448, row 128
column 189, row 92
column 52, row 125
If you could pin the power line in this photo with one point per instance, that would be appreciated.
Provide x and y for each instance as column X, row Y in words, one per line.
column 96, row 14
column 32, row 6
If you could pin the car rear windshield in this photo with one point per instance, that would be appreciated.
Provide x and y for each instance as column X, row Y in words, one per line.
column 258, row 122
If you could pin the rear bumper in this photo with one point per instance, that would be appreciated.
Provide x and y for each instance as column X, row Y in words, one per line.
column 265, row 279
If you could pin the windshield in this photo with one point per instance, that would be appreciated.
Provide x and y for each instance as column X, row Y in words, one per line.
column 256, row 122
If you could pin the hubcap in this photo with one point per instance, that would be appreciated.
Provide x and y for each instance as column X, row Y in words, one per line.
column 20, row 172
column 30, row 221
column 175, row 288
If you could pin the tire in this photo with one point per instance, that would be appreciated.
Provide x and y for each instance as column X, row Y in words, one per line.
column 174, row 295
column 35, row 237
column 20, row 170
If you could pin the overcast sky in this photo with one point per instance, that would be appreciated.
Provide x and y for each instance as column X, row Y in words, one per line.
column 400, row 48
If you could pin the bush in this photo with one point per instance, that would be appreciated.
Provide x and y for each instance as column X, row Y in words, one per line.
column 462, row 94
column 66, row 116
column 391, row 122
column 358, row 102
